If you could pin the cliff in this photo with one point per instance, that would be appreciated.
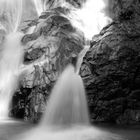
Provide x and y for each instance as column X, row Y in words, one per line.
column 111, row 68
column 48, row 50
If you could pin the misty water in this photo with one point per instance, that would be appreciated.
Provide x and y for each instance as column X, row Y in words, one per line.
column 11, row 54
column 11, row 59
column 66, row 116
column 10, row 131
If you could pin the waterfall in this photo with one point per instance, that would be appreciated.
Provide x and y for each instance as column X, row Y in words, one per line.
column 67, row 104
column 66, row 116
column 10, row 14
column 11, row 54
column 39, row 6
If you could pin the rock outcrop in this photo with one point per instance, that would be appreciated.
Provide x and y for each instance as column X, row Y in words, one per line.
column 111, row 68
column 49, row 49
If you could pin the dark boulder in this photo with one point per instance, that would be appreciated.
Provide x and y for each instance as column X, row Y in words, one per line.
column 111, row 67
column 48, row 50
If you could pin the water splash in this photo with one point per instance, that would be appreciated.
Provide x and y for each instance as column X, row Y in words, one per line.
column 11, row 59
column 91, row 18
column 66, row 116
column 80, row 58
column 67, row 104
column 10, row 14
column 75, row 133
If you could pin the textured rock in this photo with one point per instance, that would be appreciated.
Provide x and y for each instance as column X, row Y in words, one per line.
column 49, row 49
column 71, row 3
column 111, row 68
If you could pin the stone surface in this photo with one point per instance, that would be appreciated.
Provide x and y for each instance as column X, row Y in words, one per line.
column 111, row 68
column 48, row 50
column 71, row 3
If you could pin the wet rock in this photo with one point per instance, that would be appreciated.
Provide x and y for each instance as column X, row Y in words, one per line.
column 49, row 49
column 129, row 117
column 111, row 71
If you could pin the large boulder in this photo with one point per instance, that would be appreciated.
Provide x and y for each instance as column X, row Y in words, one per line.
column 111, row 68
column 48, row 50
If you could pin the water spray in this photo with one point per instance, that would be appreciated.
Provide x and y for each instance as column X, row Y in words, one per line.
column 10, row 14
column 91, row 18
column 11, row 52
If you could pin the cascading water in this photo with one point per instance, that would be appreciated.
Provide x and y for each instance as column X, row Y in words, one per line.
column 67, row 105
column 80, row 58
column 90, row 19
column 11, row 52
column 66, row 116
column 10, row 14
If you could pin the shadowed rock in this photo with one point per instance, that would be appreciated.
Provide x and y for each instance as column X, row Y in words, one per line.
column 111, row 68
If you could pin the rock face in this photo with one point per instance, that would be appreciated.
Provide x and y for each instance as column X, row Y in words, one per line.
column 49, row 49
column 111, row 68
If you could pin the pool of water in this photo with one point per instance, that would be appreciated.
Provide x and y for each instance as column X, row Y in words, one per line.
column 127, row 132
column 10, row 130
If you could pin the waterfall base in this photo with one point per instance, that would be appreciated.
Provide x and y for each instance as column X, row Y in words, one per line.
column 74, row 133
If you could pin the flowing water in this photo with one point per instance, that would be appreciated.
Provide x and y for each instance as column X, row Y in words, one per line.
column 11, row 58
column 10, row 14
column 66, row 116
column 11, row 54
column 39, row 5
column 67, row 104
column 91, row 18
